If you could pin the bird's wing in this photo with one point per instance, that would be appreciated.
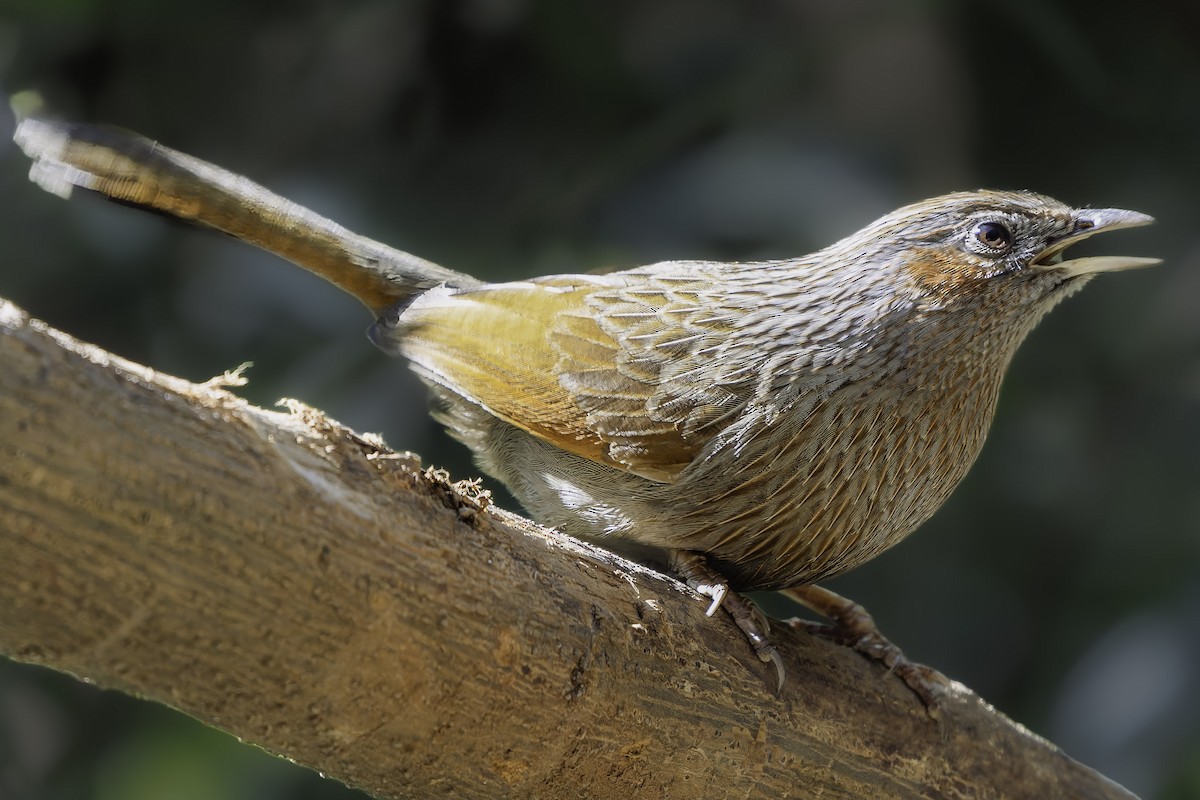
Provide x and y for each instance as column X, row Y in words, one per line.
column 597, row 365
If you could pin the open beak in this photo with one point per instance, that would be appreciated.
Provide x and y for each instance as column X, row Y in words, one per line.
column 1089, row 222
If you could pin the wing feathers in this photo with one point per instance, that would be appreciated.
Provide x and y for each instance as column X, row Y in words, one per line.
column 577, row 360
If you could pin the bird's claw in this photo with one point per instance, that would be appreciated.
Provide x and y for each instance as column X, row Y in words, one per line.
column 718, row 592
column 753, row 623
column 695, row 571
column 851, row 626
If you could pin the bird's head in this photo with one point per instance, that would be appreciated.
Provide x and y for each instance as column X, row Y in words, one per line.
column 997, row 244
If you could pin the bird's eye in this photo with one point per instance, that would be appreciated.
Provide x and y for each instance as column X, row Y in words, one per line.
column 993, row 236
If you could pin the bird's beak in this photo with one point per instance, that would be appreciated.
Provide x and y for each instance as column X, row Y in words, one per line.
column 1089, row 222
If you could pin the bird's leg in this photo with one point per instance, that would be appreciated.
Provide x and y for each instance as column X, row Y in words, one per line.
column 853, row 627
column 694, row 569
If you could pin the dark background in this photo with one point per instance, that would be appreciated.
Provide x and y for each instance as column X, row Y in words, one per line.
column 510, row 138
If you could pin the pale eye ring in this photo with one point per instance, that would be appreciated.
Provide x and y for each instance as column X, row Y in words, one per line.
column 994, row 236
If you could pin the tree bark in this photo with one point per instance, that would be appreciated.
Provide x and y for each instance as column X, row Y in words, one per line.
column 280, row 577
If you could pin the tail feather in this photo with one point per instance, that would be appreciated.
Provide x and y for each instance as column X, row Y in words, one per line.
column 131, row 169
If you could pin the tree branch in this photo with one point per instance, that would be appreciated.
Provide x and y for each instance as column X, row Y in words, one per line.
column 287, row 580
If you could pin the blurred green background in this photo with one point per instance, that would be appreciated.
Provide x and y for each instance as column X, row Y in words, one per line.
column 509, row 138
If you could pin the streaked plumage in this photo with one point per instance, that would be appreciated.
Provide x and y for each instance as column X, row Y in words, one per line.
column 790, row 419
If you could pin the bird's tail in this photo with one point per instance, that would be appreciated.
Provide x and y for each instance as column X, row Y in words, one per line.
column 133, row 170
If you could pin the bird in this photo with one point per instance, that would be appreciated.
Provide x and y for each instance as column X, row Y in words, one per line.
column 759, row 425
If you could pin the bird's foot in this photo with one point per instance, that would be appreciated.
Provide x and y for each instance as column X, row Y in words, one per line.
column 853, row 627
column 692, row 567
column 694, row 570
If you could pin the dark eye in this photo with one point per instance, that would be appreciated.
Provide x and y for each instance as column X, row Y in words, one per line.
column 993, row 235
